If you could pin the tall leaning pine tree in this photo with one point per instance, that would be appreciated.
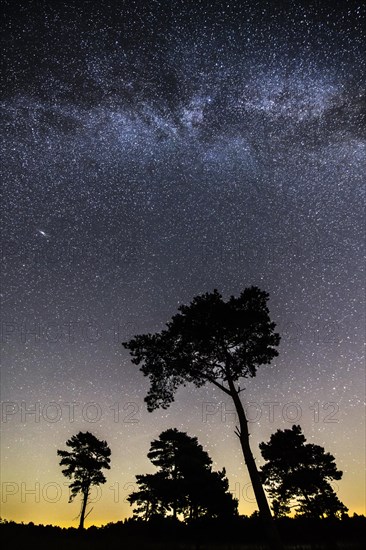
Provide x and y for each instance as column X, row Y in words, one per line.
column 217, row 342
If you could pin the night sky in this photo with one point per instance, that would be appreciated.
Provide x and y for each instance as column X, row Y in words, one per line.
column 153, row 151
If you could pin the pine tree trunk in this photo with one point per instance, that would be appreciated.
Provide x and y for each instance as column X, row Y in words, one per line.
column 83, row 509
column 264, row 509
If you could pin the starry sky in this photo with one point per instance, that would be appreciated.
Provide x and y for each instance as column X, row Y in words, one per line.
column 153, row 151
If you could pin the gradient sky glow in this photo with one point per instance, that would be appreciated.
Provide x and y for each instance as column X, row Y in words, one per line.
column 157, row 150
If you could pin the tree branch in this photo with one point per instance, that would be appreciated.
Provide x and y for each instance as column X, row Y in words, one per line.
column 218, row 384
column 89, row 512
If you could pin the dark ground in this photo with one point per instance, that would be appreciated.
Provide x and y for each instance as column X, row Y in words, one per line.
column 240, row 534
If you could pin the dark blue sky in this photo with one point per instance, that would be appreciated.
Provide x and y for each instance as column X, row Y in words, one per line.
column 157, row 150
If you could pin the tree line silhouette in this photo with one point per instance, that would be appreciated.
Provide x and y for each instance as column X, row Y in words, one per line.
column 297, row 475
column 211, row 341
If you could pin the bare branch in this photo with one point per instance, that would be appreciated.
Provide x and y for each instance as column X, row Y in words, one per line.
column 91, row 509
